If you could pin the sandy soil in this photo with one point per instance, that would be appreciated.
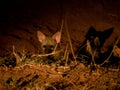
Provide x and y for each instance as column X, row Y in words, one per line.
column 19, row 24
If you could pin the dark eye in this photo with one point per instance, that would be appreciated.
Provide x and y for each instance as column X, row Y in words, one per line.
column 51, row 46
column 44, row 46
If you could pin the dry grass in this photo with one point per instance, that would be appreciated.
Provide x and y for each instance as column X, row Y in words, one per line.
column 36, row 73
column 36, row 76
column 31, row 75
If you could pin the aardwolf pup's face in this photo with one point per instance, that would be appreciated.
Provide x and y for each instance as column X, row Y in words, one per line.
column 96, row 39
column 93, row 44
column 48, row 43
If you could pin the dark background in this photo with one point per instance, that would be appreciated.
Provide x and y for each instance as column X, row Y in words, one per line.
column 20, row 19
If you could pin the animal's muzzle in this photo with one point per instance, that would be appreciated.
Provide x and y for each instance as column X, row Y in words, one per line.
column 48, row 51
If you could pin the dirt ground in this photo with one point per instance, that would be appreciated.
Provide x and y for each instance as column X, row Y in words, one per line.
column 20, row 21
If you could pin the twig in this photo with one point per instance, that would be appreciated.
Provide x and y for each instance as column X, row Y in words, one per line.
column 41, row 55
column 18, row 59
column 60, row 34
column 110, row 53
column 66, row 49
column 70, row 42
column 66, row 58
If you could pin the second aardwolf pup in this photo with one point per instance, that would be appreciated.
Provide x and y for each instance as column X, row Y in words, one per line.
column 90, row 51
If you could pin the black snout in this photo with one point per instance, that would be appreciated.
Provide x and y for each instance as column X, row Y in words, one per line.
column 48, row 49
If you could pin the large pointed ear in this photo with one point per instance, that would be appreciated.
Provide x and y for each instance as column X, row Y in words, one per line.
column 41, row 36
column 106, row 34
column 57, row 36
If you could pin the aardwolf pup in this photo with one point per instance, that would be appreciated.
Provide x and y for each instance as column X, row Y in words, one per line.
column 90, row 51
column 48, row 44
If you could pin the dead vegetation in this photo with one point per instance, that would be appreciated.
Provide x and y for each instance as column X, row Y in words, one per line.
column 32, row 75
column 36, row 72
